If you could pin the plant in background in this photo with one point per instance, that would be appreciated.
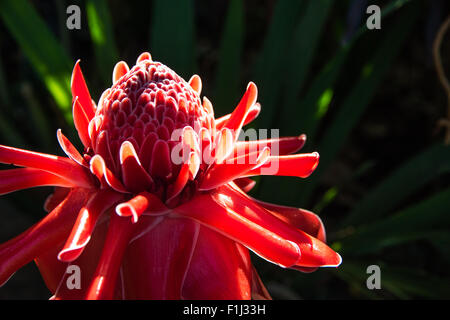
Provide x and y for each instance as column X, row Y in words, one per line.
column 156, row 206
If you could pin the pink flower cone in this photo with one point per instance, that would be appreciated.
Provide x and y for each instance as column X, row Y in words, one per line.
column 156, row 205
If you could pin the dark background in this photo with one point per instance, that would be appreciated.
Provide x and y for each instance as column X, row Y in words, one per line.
column 383, row 191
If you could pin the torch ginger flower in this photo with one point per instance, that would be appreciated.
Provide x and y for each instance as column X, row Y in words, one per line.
column 143, row 214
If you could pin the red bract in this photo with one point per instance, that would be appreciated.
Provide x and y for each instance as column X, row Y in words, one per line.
column 156, row 205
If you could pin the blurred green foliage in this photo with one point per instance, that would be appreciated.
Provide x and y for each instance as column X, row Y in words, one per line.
column 312, row 78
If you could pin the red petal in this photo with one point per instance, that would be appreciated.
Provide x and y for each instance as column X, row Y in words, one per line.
column 278, row 146
column 314, row 253
column 55, row 198
column 62, row 167
column 161, row 163
column 80, row 90
column 298, row 165
column 81, row 122
column 251, row 115
column 85, row 223
column 224, row 145
column 69, row 148
column 221, row 173
column 145, row 152
column 93, row 128
column 43, row 236
column 120, row 69
column 208, row 106
column 259, row 291
column 98, row 168
column 194, row 165
column 190, row 138
column 237, row 118
column 155, row 265
column 120, row 231
column 299, row 218
column 182, row 178
column 144, row 56
column 59, row 279
column 245, row 184
column 52, row 270
column 143, row 202
column 24, row 178
column 190, row 150
column 103, row 148
column 134, row 176
column 218, row 269
column 213, row 213
column 196, row 83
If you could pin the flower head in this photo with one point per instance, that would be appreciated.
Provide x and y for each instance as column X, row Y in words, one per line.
column 156, row 205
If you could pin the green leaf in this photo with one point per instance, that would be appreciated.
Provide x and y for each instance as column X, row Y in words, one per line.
column 63, row 32
column 415, row 282
column 9, row 134
column 312, row 107
column 40, row 124
column 102, row 35
column 354, row 273
column 356, row 102
column 310, row 110
column 332, row 192
column 400, row 184
column 228, row 72
column 442, row 244
column 40, row 46
column 404, row 283
column 7, row 131
column 172, row 35
column 289, row 48
column 425, row 220
column 300, row 58
column 273, row 57
column 4, row 92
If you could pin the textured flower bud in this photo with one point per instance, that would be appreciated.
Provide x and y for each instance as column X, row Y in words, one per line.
column 148, row 106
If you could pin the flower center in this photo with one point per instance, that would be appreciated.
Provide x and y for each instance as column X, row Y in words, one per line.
column 145, row 107
column 150, row 98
